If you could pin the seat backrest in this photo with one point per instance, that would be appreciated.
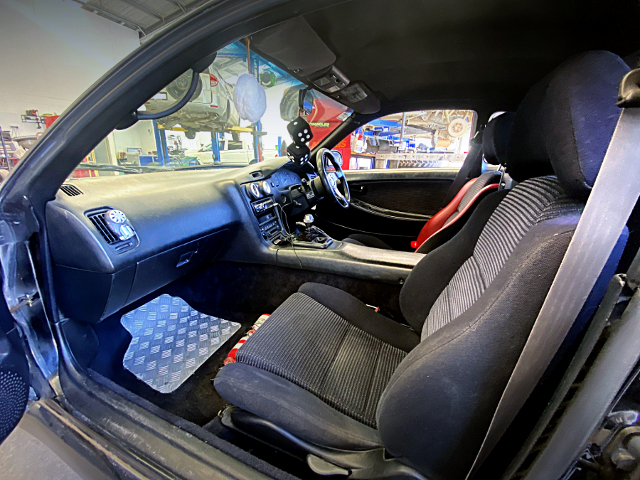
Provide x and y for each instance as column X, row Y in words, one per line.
column 495, row 140
column 477, row 185
column 476, row 297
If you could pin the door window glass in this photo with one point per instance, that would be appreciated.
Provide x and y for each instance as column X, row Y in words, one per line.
column 418, row 139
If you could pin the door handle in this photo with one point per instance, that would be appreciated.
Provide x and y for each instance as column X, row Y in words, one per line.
column 358, row 188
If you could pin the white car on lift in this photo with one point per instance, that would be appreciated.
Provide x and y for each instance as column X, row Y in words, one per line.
column 231, row 153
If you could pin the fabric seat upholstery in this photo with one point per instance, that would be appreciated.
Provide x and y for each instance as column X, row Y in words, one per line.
column 473, row 300
column 534, row 202
column 344, row 355
column 353, row 346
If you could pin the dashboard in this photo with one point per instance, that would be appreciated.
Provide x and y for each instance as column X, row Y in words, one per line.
column 116, row 239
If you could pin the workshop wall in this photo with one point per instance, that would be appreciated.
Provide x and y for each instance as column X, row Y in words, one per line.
column 52, row 51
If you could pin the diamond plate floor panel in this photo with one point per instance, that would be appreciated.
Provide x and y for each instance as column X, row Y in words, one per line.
column 171, row 340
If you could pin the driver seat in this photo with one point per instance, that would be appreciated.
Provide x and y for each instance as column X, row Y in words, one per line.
column 341, row 382
column 495, row 140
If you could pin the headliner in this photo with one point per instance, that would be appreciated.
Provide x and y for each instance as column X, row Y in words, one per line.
column 467, row 54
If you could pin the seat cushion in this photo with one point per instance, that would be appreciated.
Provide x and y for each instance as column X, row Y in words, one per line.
column 292, row 408
column 364, row 317
column 312, row 346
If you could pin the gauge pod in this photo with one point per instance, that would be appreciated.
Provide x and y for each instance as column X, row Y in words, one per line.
column 254, row 190
column 266, row 188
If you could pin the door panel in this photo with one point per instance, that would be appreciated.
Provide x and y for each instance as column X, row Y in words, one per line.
column 390, row 204
column 416, row 191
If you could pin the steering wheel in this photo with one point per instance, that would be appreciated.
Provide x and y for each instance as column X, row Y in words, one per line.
column 334, row 180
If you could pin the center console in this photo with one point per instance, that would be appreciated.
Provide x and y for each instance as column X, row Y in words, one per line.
column 274, row 227
column 304, row 246
column 268, row 216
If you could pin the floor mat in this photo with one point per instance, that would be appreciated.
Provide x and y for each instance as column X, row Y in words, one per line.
column 171, row 340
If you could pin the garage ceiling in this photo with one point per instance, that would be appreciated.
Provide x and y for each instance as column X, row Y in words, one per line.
column 144, row 16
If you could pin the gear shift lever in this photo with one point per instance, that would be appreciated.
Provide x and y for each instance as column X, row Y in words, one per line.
column 308, row 220
column 307, row 223
column 311, row 235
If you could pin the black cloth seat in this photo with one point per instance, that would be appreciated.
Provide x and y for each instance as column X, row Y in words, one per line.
column 353, row 345
column 335, row 374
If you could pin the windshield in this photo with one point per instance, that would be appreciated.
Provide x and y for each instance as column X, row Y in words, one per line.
column 210, row 131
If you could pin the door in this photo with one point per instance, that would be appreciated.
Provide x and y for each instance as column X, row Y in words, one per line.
column 14, row 373
column 400, row 172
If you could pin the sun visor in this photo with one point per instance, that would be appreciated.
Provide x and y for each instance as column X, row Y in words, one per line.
column 296, row 46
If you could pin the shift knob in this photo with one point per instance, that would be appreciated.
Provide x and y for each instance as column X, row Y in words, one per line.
column 308, row 220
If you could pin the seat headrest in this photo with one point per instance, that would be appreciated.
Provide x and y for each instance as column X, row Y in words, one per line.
column 495, row 138
column 566, row 121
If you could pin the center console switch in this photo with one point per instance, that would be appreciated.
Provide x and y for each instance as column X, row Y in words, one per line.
column 264, row 207
column 268, row 218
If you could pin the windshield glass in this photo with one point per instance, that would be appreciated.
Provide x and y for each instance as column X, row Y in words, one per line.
column 209, row 131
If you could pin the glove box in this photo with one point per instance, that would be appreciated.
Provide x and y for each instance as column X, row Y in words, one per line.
column 90, row 296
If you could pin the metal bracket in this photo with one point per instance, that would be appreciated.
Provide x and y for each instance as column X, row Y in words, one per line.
column 26, row 301
column 629, row 92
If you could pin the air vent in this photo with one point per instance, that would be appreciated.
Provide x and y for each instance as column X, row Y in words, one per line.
column 98, row 220
column 256, row 174
column 71, row 190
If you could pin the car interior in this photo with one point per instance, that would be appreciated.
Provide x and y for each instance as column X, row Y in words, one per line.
column 393, row 304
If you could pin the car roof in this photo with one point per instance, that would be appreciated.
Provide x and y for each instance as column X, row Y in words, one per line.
column 417, row 54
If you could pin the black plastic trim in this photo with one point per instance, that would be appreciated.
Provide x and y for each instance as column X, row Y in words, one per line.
column 359, row 464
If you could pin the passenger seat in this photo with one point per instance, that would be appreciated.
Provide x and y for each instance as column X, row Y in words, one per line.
column 363, row 393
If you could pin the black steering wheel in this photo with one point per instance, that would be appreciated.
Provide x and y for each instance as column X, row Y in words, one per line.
column 334, row 180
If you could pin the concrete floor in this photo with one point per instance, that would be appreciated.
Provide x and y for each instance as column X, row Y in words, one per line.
column 24, row 457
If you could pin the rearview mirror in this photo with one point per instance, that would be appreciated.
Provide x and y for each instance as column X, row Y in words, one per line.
column 291, row 103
